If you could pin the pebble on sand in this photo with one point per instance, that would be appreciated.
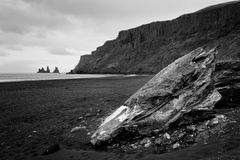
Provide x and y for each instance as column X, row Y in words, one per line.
column 78, row 128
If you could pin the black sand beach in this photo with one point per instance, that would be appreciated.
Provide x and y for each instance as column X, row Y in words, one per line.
column 39, row 114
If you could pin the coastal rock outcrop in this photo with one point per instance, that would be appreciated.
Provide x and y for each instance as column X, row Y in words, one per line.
column 42, row 70
column 151, row 47
column 182, row 89
column 56, row 70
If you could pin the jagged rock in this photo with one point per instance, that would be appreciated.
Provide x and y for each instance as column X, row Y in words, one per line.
column 48, row 70
column 56, row 70
column 151, row 47
column 191, row 128
column 134, row 146
column 42, row 70
column 158, row 141
column 145, row 141
column 148, row 144
column 182, row 87
column 176, row 145
column 218, row 119
column 166, row 136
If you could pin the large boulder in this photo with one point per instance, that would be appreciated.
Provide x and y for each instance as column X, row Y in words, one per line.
column 182, row 87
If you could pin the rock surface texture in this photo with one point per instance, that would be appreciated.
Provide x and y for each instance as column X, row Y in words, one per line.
column 151, row 47
column 227, row 82
column 183, row 88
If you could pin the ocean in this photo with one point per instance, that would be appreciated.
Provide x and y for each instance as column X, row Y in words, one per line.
column 16, row 77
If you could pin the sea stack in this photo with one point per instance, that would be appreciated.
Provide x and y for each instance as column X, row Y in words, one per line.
column 56, row 70
column 48, row 70
column 42, row 70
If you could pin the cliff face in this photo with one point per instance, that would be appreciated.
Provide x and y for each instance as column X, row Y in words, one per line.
column 149, row 48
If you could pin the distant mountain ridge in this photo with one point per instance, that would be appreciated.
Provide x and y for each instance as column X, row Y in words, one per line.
column 151, row 47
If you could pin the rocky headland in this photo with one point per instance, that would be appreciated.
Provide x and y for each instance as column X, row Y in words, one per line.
column 151, row 47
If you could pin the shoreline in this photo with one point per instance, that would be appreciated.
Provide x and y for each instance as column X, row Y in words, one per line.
column 84, row 76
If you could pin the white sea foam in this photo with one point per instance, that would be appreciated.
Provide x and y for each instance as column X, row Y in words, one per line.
column 16, row 77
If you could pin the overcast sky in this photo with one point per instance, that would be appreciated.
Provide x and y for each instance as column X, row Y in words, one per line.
column 36, row 33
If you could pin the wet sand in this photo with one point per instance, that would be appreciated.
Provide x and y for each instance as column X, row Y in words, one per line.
column 35, row 115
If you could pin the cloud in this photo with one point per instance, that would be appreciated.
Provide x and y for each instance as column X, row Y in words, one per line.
column 14, row 48
column 60, row 51
column 117, row 10
column 104, row 10
column 19, row 17
column 23, row 24
column 3, row 54
column 23, row 66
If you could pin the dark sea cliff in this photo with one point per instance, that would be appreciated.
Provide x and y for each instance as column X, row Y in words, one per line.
column 151, row 47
